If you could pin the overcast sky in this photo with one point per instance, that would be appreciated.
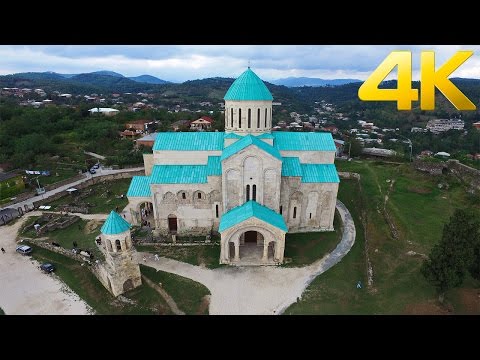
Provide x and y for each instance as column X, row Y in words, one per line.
column 180, row 63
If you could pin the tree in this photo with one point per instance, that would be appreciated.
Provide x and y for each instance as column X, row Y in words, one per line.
column 355, row 147
column 454, row 255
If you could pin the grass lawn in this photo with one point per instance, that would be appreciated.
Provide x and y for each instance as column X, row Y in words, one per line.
column 305, row 248
column 85, row 284
column 419, row 209
column 207, row 255
column 83, row 232
column 103, row 198
column 188, row 294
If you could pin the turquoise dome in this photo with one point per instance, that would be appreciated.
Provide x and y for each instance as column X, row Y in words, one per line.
column 248, row 86
column 115, row 224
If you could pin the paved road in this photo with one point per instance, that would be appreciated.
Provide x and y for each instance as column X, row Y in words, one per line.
column 258, row 290
column 87, row 177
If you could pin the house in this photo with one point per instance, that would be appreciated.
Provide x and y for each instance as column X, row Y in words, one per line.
column 441, row 125
column 339, row 144
column 203, row 123
column 128, row 134
column 248, row 184
column 332, row 129
column 177, row 125
column 147, row 140
column 104, row 111
column 140, row 125
column 426, row 153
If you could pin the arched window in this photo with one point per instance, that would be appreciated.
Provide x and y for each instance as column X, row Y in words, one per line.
column 265, row 117
column 249, row 118
column 184, row 196
column 258, row 119
column 281, row 209
column 239, row 118
column 199, row 195
column 216, row 211
column 295, row 212
column 117, row 245
column 254, row 192
column 231, row 116
column 248, row 193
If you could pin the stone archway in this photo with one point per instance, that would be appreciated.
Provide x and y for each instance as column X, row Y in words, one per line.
column 145, row 214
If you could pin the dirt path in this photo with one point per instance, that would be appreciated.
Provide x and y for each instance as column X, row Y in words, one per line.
column 25, row 289
column 171, row 303
column 258, row 290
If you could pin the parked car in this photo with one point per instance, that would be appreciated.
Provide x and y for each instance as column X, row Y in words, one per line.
column 47, row 267
column 96, row 166
column 92, row 171
column 24, row 249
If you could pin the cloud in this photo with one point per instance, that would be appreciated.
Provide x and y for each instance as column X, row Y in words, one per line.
column 183, row 62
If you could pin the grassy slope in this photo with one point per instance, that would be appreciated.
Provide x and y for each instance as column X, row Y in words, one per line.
column 188, row 294
column 419, row 210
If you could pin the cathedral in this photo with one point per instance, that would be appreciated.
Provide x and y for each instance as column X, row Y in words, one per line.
column 248, row 184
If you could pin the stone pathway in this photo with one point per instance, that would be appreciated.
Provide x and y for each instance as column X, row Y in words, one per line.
column 258, row 290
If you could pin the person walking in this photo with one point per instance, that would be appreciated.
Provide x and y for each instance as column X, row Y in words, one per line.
column 156, row 257
column 144, row 259
column 3, row 250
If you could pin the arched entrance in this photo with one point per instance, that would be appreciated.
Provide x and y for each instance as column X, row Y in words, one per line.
column 145, row 211
column 172, row 224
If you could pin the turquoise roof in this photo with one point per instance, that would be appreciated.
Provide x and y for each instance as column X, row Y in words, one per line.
column 291, row 166
column 247, row 141
column 179, row 174
column 248, row 86
column 214, row 166
column 139, row 187
column 114, row 224
column 319, row 173
column 251, row 209
column 193, row 141
column 230, row 135
column 303, row 141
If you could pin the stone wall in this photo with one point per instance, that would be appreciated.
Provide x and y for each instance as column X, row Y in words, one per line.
column 348, row 175
column 465, row 173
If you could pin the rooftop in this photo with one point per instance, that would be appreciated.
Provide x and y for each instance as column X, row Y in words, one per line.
column 248, row 86
column 114, row 224
column 251, row 209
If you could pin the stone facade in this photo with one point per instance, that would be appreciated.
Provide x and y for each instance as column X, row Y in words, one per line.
column 120, row 273
column 253, row 171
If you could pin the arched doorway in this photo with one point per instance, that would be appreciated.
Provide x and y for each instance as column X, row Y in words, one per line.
column 172, row 224
column 251, row 247
column 145, row 211
column 251, row 237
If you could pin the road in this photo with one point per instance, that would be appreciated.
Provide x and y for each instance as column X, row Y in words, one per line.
column 258, row 290
column 88, row 176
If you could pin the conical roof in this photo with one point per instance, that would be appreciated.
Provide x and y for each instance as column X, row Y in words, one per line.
column 248, row 86
column 114, row 224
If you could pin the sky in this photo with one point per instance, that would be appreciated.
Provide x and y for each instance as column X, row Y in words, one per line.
column 183, row 62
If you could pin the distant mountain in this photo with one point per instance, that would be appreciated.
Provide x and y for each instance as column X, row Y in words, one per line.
column 148, row 79
column 106, row 72
column 48, row 75
column 102, row 80
column 306, row 81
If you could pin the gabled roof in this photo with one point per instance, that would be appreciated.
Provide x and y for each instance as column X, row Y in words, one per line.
column 185, row 141
column 303, row 141
column 248, row 86
column 139, row 187
column 214, row 166
column 251, row 209
column 291, row 166
column 247, row 141
column 179, row 174
column 323, row 173
column 114, row 224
